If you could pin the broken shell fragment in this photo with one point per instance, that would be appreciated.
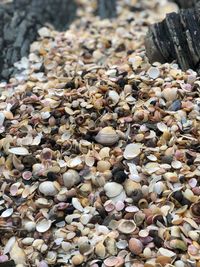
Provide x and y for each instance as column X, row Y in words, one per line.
column 107, row 136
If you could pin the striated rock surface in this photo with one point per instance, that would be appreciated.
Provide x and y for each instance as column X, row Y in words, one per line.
column 177, row 37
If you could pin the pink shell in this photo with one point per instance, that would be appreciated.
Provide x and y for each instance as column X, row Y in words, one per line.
column 27, row 175
column 109, row 207
column 119, row 205
column 196, row 191
column 3, row 258
column 192, row 250
column 192, row 182
column 42, row 264
column 111, row 261
column 13, row 190
column 131, row 209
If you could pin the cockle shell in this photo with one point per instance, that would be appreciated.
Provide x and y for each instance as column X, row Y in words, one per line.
column 48, row 188
column 43, row 225
column 132, row 150
column 127, row 226
column 70, row 178
column 107, row 136
column 113, row 189
column 135, row 246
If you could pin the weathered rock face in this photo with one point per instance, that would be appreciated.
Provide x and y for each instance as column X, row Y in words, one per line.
column 20, row 21
column 177, row 37
column 185, row 3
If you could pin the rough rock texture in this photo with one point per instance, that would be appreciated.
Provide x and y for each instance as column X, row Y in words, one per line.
column 185, row 3
column 177, row 37
column 20, row 21
column 107, row 8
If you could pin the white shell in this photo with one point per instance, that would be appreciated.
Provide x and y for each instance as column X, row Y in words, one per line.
column 134, row 173
column 76, row 203
column 113, row 189
column 21, row 151
column 7, row 213
column 43, row 225
column 158, row 187
column 107, row 136
column 170, row 94
column 114, row 96
column 166, row 252
column 127, row 226
column 132, row 150
column 153, row 72
column 30, row 226
column 48, row 188
column 70, row 178
column 9, row 245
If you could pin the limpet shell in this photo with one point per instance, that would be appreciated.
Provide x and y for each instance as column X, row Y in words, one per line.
column 132, row 150
column 107, row 136
column 126, row 226
column 113, row 189
column 43, row 225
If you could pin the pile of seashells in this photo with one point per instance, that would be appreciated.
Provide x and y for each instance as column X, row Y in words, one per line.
column 99, row 151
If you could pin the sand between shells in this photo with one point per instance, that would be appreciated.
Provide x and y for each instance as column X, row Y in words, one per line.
column 99, row 152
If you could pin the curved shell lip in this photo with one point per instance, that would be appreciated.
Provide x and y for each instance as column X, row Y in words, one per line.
column 124, row 228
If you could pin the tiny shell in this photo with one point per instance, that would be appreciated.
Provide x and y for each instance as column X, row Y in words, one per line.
column 153, row 72
column 43, row 225
column 70, row 178
column 76, row 203
column 114, row 96
column 7, row 213
column 107, row 136
column 100, row 250
column 21, row 151
column 166, row 252
column 77, row 259
column 119, row 205
column 111, row 261
column 132, row 150
column 126, row 226
column 48, row 188
column 113, row 189
column 170, row 94
column 135, row 246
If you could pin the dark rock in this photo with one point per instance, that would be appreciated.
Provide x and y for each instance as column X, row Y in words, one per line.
column 107, row 8
column 185, row 3
column 177, row 37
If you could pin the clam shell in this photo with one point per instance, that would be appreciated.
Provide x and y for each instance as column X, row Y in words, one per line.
column 113, row 189
column 7, row 213
column 70, row 178
column 153, row 72
column 127, row 226
column 48, row 188
column 76, row 203
column 21, row 151
column 43, row 225
column 107, row 136
column 166, row 252
column 132, row 150
column 135, row 246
